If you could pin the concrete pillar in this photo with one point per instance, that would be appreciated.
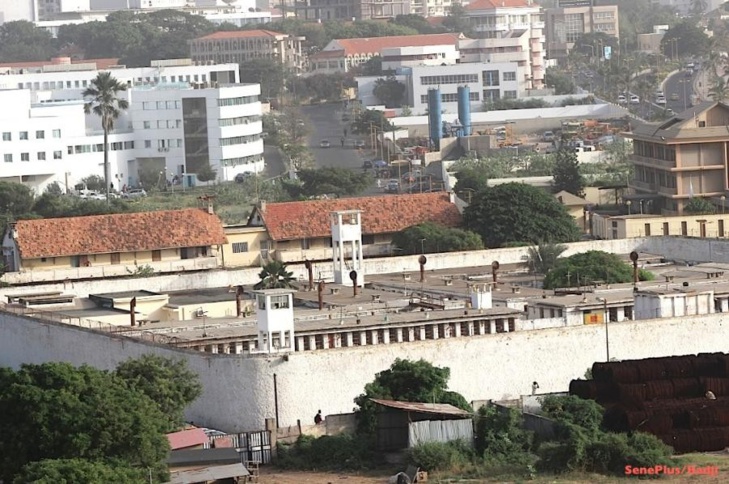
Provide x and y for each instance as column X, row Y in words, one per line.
column 300, row 343
column 505, row 325
column 312, row 342
column 350, row 339
column 471, row 328
column 213, row 349
column 375, row 336
column 325, row 341
column 398, row 331
column 422, row 332
column 386, row 337
column 338, row 340
column 227, row 347
column 458, row 330
column 363, row 338
column 492, row 327
column 724, row 305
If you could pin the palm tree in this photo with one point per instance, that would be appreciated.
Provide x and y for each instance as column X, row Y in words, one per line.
column 543, row 257
column 275, row 276
column 102, row 100
column 719, row 90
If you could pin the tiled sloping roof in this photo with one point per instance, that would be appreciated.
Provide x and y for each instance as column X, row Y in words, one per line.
column 240, row 34
column 493, row 4
column 374, row 45
column 569, row 199
column 381, row 214
column 187, row 438
column 122, row 232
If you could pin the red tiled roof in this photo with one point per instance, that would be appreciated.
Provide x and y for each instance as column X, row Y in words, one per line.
column 187, row 438
column 493, row 4
column 374, row 45
column 240, row 34
column 122, row 232
column 380, row 214
column 100, row 63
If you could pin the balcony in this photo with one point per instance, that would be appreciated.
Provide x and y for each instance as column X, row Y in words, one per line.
column 654, row 162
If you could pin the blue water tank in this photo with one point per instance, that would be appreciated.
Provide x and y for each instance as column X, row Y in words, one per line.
column 435, row 121
column 464, row 109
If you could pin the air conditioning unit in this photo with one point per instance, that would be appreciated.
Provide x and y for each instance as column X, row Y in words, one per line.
column 160, row 149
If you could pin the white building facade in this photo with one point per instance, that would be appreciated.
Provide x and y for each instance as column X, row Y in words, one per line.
column 394, row 58
column 179, row 119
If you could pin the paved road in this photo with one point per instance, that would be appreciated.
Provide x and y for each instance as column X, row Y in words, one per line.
column 681, row 85
column 325, row 123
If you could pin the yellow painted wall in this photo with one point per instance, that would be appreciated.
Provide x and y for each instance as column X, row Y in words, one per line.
column 628, row 227
column 146, row 308
column 125, row 258
column 255, row 236
column 112, row 319
column 224, row 309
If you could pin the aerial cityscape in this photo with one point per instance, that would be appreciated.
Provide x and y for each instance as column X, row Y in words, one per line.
column 383, row 241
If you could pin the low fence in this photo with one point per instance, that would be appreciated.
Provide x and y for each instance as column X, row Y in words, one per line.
column 336, row 424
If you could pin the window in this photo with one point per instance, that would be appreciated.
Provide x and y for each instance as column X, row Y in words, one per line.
column 148, row 106
column 490, row 95
column 240, row 247
column 279, row 302
column 509, row 94
column 24, row 156
column 40, row 134
column 115, row 258
column 721, row 228
column 491, row 78
column 666, row 229
column 368, row 239
column 449, row 79
column 8, row 158
column 41, row 156
column 648, row 230
column 146, row 125
column 509, row 76
column 262, row 302
column 148, row 143
column 24, row 135
column 7, row 136
column 56, row 133
column 237, row 101
column 684, row 228
column 57, row 155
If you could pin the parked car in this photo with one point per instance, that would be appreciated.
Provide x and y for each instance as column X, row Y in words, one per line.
column 548, row 136
column 674, row 96
column 622, row 99
column 660, row 100
column 325, row 144
column 359, row 143
column 367, row 165
column 634, row 99
column 134, row 193
column 393, row 186
column 379, row 164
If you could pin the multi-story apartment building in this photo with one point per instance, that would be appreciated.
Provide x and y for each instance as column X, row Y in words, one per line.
column 487, row 82
column 37, row 10
column 242, row 46
column 508, row 27
column 180, row 117
column 348, row 10
column 430, row 8
column 341, row 55
column 572, row 19
column 683, row 158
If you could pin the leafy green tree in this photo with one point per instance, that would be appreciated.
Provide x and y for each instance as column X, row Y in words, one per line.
column 719, row 89
column 330, row 181
column 275, row 275
column 373, row 66
column 560, row 81
column 370, row 118
column 390, row 91
column 15, row 199
column 268, row 73
column 94, row 183
column 699, row 206
column 590, row 44
column 407, row 381
column 430, row 237
column 567, row 174
column 54, row 189
column 590, row 266
column 23, row 41
column 516, row 212
column 543, row 257
column 57, row 411
column 416, row 22
column 168, row 382
column 69, row 471
column 574, row 410
column 102, row 99
column 457, row 19
column 499, row 434
column 685, row 39
column 206, row 173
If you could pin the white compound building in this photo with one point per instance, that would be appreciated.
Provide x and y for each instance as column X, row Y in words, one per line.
column 180, row 118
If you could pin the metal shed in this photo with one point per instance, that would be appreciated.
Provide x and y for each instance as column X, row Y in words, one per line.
column 401, row 425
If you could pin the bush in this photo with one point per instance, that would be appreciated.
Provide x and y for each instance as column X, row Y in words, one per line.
column 571, row 409
column 440, row 456
column 341, row 452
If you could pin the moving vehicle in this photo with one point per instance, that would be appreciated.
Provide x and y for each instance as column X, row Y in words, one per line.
column 393, row 186
column 674, row 96
column 359, row 143
column 634, row 99
column 660, row 100
column 325, row 144
column 621, row 99
column 548, row 136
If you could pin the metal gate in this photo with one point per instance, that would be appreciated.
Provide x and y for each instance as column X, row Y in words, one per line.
column 255, row 446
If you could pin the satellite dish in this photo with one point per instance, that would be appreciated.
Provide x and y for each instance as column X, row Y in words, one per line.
column 422, row 260
column 353, row 276
column 495, row 265
column 634, row 256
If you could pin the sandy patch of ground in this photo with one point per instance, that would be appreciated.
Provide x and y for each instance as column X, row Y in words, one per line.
column 274, row 476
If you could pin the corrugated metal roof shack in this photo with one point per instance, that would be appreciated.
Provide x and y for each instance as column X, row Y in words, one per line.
column 401, row 425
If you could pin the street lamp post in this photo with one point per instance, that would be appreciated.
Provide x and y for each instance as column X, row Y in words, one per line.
column 723, row 204
column 628, row 203
column 422, row 246
column 607, row 331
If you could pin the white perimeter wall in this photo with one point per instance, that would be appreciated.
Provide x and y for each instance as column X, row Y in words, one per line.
column 238, row 391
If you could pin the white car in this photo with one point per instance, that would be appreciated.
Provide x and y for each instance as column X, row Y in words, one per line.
column 634, row 99
column 621, row 99
column 661, row 100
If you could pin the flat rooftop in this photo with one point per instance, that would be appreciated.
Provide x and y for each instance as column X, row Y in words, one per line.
column 126, row 294
column 201, row 296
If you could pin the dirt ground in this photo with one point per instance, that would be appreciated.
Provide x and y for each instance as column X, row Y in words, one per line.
column 274, row 476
